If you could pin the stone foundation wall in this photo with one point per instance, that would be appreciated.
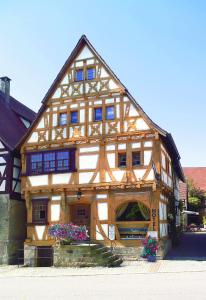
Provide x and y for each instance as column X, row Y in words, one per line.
column 164, row 247
column 12, row 229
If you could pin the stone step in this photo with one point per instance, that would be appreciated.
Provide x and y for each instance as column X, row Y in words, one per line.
column 85, row 256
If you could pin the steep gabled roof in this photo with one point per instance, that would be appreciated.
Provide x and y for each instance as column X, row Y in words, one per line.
column 11, row 127
column 169, row 142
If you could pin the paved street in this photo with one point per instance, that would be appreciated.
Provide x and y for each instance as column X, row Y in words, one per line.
column 192, row 247
column 178, row 278
column 139, row 280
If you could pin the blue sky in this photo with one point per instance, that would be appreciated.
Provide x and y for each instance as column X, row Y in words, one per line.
column 157, row 49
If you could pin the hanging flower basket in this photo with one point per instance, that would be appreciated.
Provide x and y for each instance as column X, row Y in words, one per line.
column 65, row 234
column 150, row 249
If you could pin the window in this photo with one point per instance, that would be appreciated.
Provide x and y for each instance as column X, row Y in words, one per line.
column 98, row 114
column 39, row 211
column 36, row 163
column 51, row 161
column 79, row 75
column 122, row 160
column 63, row 119
column 62, row 160
column 90, row 73
column 81, row 212
column 109, row 112
column 74, row 117
column 136, row 158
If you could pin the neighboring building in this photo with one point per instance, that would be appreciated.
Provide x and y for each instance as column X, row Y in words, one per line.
column 15, row 118
column 198, row 177
column 94, row 157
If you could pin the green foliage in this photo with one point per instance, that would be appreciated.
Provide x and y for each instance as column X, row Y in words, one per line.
column 196, row 196
column 194, row 201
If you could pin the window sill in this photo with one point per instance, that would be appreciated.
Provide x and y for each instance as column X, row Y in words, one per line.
column 47, row 173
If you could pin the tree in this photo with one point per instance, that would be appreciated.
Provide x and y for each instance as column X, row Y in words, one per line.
column 196, row 200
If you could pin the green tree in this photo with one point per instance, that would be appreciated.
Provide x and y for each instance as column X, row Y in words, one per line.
column 196, row 198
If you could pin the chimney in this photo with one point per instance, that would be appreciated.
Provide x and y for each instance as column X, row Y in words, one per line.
column 5, row 87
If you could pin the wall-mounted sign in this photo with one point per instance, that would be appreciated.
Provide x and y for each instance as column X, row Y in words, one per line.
column 111, row 232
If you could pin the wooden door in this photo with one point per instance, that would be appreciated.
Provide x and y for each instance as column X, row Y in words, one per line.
column 80, row 214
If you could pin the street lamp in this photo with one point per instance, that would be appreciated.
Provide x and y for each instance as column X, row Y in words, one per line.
column 79, row 195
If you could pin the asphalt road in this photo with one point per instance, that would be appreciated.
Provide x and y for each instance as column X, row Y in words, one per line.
column 190, row 286
column 191, row 247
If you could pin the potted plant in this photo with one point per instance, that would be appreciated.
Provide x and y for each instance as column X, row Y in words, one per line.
column 65, row 234
column 150, row 249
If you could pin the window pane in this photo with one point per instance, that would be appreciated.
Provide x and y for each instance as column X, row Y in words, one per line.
column 62, row 160
column 74, row 117
column 79, row 75
column 49, row 156
column 62, row 155
column 36, row 157
column 136, row 159
column 63, row 119
column 122, row 160
column 110, row 112
column 36, row 163
column 98, row 114
column 90, row 73
column 39, row 211
column 49, row 162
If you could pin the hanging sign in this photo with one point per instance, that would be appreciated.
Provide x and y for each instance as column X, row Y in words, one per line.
column 111, row 232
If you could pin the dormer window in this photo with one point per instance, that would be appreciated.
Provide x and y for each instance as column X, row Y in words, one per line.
column 74, row 117
column 79, row 75
column 110, row 112
column 90, row 73
column 63, row 119
column 98, row 114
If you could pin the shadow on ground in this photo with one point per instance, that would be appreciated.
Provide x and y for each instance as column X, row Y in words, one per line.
column 192, row 246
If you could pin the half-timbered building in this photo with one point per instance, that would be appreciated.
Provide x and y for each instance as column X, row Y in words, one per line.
column 94, row 157
column 15, row 118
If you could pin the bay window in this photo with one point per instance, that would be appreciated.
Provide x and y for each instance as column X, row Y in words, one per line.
column 56, row 161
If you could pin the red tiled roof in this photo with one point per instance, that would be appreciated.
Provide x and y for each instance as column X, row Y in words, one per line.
column 198, row 175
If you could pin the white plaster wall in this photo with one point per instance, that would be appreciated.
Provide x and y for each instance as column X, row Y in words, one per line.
column 111, row 159
column 33, row 138
column 139, row 173
column 147, row 157
column 41, row 123
column 57, row 93
column 55, row 212
column 88, row 149
column 85, row 53
column 38, row 180
column 150, row 176
column 63, row 178
column 88, row 161
column 141, row 124
column 102, row 211
column 133, row 111
column 40, row 231
column 85, row 177
column 2, row 186
column 118, row 175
